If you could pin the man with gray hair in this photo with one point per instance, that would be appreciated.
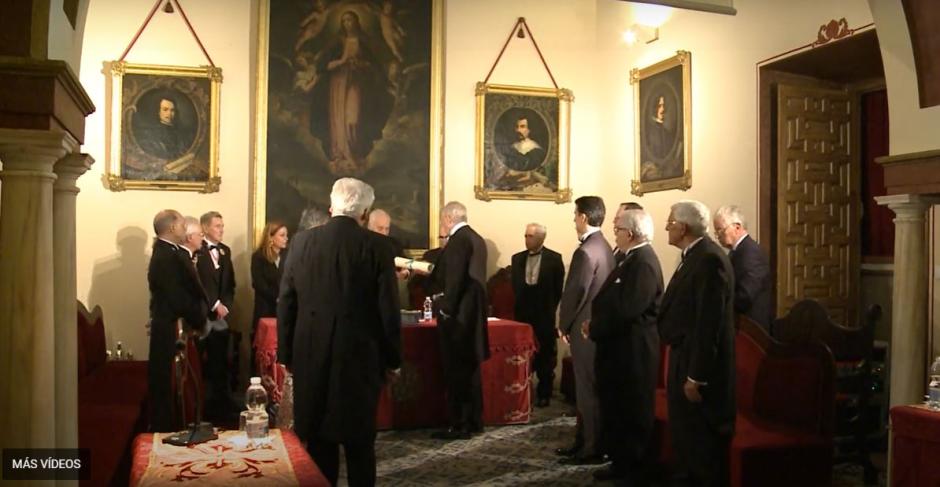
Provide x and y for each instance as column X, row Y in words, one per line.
column 312, row 217
column 460, row 305
column 175, row 293
column 338, row 330
column 538, row 275
column 623, row 325
column 751, row 266
column 696, row 320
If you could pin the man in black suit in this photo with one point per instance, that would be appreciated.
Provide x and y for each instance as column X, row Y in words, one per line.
column 538, row 275
column 338, row 330
column 623, row 325
column 591, row 263
column 459, row 284
column 629, row 205
column 751, row 266
column 175, row 293
column 218, row 279
column 696, row 319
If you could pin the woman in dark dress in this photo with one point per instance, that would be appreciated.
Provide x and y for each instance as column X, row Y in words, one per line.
column 266, row 264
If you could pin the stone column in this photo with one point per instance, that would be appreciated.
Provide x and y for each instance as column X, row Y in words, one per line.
column 68, row 169
column 27, row 352
column 909, row 300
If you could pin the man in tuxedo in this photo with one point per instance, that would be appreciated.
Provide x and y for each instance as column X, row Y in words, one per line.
column 538, row 275
column 751, row 266
column 696, row 320
column 623, row 325
column 218, row 279
column 591, row 263
column 338, row 330
column 630, row 205
column 459, row 287
column 175, row 293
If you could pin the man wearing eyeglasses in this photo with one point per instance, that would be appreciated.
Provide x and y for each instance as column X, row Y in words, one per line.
column 696, row 320
column 751, row 266
column 538, row 275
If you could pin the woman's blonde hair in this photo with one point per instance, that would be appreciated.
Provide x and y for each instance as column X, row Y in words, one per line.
column 267, row 240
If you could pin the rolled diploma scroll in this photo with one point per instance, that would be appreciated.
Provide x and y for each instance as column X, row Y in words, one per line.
column 414, row 265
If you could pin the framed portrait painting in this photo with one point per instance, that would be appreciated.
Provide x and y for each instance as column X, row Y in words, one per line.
column 663, row 107
column 350, row 88
column 522, row 143
column 162, row 127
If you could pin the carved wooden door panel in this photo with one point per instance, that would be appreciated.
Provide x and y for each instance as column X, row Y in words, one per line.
column 818, row 187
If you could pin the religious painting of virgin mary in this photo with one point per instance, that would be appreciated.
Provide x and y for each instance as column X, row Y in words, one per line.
column 351, row 89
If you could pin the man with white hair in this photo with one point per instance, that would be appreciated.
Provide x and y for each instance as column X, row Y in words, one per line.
column 538, row 275
column 338, row 330
column 696, row 319
column 751, row 266
column 460, row 304
column 175, row 293
column 623, row 325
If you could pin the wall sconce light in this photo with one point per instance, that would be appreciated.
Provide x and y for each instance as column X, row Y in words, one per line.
column 640, row 33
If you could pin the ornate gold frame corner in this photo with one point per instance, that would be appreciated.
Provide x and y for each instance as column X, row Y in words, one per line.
column 114, row 74
column 565, row 98
column 684, row 182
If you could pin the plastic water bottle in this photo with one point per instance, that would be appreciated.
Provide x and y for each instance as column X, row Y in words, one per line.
column 428, row 314
column 933, row 399
column 256, row 417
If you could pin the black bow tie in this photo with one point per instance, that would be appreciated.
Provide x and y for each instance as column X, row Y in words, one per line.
column 213, row 247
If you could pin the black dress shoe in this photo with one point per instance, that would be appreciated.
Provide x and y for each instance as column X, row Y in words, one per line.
column 542, row 402
column 451, row 434
column 568, row 452
column 578, row 460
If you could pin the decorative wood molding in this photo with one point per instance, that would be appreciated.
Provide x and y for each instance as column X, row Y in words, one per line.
column 833, row 30
column 914, row 173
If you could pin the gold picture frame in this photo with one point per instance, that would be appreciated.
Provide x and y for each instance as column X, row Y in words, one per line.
column 162, row 127
column 307, row 52
column 663, row 134
column 522, row 143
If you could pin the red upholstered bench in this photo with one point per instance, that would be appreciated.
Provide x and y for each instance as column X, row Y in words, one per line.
column 785, row 399
column 112, row 401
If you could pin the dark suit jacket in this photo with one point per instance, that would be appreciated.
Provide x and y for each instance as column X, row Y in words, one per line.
column 460, row 273
column 623, row 324
column 537, row 304
column 591, row 263
column 697, row 319
column 266, row 280
column 751, row 282
column 338, row 328
column 175, row 291
column 218, row 283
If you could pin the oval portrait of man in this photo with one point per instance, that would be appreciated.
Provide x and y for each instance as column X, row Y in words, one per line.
column 164, row 125
column 522, row 139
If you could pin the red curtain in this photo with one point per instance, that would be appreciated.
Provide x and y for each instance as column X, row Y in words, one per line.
column 877, row 224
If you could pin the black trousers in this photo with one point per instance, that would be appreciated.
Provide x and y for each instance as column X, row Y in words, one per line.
column 702, row 452
column 360, row 460
column 216, row 371
column 464, row 387
column 543, row 327
column 159, row 368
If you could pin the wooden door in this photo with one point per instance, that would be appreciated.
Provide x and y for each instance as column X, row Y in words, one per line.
column 818, row 187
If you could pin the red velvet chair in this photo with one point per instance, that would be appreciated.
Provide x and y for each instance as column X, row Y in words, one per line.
column 785, row 398
column 500, row 293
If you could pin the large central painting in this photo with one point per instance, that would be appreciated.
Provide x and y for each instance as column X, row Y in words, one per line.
column 350, row 88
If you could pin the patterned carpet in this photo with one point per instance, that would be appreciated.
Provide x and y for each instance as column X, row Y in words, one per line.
column 501, row 456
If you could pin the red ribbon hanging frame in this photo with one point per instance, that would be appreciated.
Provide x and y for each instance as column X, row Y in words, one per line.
column 168, row 9
column 517, row 30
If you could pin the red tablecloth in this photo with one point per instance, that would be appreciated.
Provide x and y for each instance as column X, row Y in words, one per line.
column 304, row 468
column 915, row 447
column 417, row 399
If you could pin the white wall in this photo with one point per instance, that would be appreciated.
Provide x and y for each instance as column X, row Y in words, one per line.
column 65, row 43
column 912, row 129
column 115, row 229
column 581, row 40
